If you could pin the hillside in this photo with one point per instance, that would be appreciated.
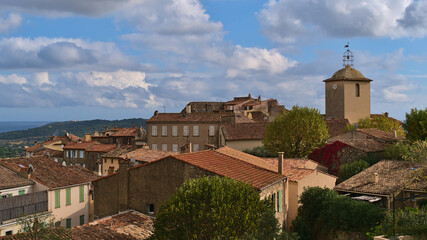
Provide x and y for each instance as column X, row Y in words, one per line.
column 78, row 128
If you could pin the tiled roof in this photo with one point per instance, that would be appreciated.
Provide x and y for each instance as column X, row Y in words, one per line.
column 192, row 117
column 224, row 165
column 336, row 126
column 238, row 101
column 259, row 116
column 260, row 162
column 127, row 225
column 125, row 132
column 80, row 145
column 11, row 179
column 34, row 148
column 50, row 153
column 379, row 134
column 296, row 168
column 366, row 145
column 50, row 173
column 393, row 176
column 147, row 155
column 244, row 131
column 347, row 73
column 205, row 107
column 101, row 148
column 118, row 152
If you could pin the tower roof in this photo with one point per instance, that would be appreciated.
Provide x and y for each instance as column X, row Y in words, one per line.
column 348, row 74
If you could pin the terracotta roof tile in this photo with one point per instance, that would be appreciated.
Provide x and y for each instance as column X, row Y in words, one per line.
column 231, row 167
column 125, row 132
column 80, row 145
column 244, row 131
column 34, row 148
column 293, row 167
column 393, row 176
column 101, row 148
column 49, row 153
column 127, row 225
column 11, row 179
column 260, row 162
column 50, row 173
column 379, row 134
column 147, row 155
column 366, row 145
column 118, row 152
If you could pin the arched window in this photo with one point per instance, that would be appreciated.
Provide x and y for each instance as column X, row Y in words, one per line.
column 357, row 90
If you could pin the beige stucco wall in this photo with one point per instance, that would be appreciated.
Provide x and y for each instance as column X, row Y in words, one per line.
column 14, row 226
column 15, row 191
column 55, row 146
column 242, row 145
column 292, row 202
column 74, row 210
column 202, row 139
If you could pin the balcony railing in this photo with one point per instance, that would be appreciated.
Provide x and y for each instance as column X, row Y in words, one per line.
column 22, row 205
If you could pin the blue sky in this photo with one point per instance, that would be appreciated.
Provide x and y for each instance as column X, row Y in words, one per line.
column 114, row 59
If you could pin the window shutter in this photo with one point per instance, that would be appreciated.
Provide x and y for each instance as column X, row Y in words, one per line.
column 81, row 193
column 82, row 219
column 279, row 200
column 57, row 199
column 68, row 196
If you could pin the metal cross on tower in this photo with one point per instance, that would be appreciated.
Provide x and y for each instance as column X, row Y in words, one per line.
column 347, row 58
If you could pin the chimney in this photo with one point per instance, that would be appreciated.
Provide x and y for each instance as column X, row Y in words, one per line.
column 134, row 126
column 156, row 113
column 188, row 109
column 375, row 178
column 280, row 162
column 96, row 133
column 88, row 138
column 106, row 127
column 35, row 143
column 394, row 133
column 259, row 98
column 386, row 114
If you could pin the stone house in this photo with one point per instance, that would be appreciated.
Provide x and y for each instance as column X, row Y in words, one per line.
column 75, row 153
column 93, row 155
column 386, row 181
column 146, row 187
column 242, row 136
column 368, row 133
column 121, row 136
column 109, row 163
column 67, row 188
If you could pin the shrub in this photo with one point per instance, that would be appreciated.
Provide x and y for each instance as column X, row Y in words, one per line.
column 350, row 169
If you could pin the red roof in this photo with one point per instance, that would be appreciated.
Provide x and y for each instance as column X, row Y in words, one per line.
column 231, row 167
column 336, row 126
column 34, row 148
column 101, row 148
column 50, row 173
column 244, row 131
column 147, row 155
column 380, row 134
column 125, row 132
column 50, row 153
column 192, row 117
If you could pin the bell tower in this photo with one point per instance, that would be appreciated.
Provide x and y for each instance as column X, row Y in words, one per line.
column 347, row 92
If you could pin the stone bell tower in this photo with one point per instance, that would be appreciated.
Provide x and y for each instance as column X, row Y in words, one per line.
column 347, row 93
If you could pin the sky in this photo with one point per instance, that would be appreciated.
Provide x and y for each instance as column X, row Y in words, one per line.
column 113, row 59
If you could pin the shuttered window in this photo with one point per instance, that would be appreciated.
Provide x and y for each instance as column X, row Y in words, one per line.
column 68, row 196
column 153, row 130
column 57, row 199
column 185, row 131
column 174, row 147
column 164, row 130
column 154, row 146
column 195, row 131
column 174, row 131
column 164, row 147
column 211, row 131
column 68, row 223
column 279, row 200
column 82, row 219
column 81, row 193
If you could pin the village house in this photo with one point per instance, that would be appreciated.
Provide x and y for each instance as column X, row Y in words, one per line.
column 386, row 181
column 67, row 189
column 121, row 136
column 109, row 163
column 75, row 153
column 54, row 143
column 242, row 136
column 146, row 187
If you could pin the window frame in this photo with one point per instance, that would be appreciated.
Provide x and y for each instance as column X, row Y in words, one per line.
column 195, row 130
column 211, row 130
column 57, row 198
column 174, row 131
column 154, row 130
column 81, row 194
column 164, row 131
column 67, row 196
column 186, row 131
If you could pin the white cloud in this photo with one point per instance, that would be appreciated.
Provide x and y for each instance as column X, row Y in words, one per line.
column 120, row 79
column 11, row 21
column 13, row 79
column 397, row 93
column 41, row 78
column 287, row 20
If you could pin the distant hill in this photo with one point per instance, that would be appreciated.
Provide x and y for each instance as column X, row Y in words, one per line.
column 78, row 128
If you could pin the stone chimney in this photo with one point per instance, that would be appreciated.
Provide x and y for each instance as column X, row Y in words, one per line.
column 96, row 133
column 375, row 178
column 188, row 109
column 156, row 113
column 88, row 138
column 106, row 127
column 394, row 133
column 386, row 114
column 280, row 162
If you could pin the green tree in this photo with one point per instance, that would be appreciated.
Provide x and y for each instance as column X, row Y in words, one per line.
column 297, row 132
column 407, row 151
column 260, row 151
column 379, row 122
column 211, row 208
column 41, row 227
column 348, row 170
column 416, row 124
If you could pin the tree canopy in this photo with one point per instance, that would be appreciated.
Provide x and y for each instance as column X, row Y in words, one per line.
column 296, row 132
column 415, row 124
column 211, row 208
column 380, row 122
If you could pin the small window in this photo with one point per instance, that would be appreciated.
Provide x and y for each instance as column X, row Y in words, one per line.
column 58, row 224
column 211, row 131
column 82, row 219
column 195, row 131
column 174, row 147
column 185, row 131
column 67, row 196
column 154, row 146
column 9, row 233
column 71, row 154
column 357, row 90
column 57, row 199
column 153, row 130
column 164, row 131
column 150, row 208
column 112, row 161
column 68, row 223
column 68, row 153
column 81, row 153
column 21, row 192
column 279, row 200
column 174, row 131
column 164, row 147
column 195, row 147
column 75, row 154
column 81, row 194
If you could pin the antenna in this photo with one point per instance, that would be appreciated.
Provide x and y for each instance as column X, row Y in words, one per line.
column 164, row 108
column 347, row 58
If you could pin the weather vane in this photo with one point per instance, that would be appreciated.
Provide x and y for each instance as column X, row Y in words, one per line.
column 347, row 58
